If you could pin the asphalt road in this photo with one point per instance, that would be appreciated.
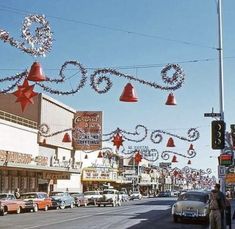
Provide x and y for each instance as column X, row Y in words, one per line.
column 145, row 214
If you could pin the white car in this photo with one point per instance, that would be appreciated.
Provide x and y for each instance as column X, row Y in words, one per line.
column 92, row 196
column 109, row 197
column 124, row 196
column 193, row 206
column 135, row 195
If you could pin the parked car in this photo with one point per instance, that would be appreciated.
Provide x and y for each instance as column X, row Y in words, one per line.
column 92, row 196
column 41, row 200
column 124, row 196
column 191, row 205
column 135, row 195
column 62, row 200
column 164, row 194
column 9, row 203
column 80, row 199
column 109, row 197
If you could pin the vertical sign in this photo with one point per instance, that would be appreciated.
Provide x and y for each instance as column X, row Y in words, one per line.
column 87, row 133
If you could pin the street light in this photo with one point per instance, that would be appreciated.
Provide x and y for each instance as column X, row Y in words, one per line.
column 221, row 75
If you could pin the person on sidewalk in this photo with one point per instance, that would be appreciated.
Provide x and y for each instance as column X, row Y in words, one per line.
column 228, row 210
column 217, row 207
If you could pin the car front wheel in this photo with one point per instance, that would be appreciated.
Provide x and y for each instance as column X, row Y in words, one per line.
column 3, row 211
column 35, row 208
column 62, row 206
column 18, row 210
column 175, row 218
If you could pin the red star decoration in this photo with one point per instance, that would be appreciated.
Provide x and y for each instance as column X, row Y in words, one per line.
column 138, row 157
column 24, row 94
column 117, row 141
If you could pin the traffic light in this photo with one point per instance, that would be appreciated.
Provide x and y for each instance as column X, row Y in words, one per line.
column 232, row 127
column 218, row 134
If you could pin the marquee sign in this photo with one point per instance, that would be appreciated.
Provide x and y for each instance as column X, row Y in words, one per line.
column 87, row 131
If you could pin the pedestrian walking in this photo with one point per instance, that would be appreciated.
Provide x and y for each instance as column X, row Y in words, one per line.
column 17, row 193
column 217, row 207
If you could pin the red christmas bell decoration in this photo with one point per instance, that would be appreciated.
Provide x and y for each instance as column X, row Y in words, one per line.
column 117, row 141
column 66, row 138
column 128, row 94
column 170, row 142
column 35, row 73
column 100, row 155
column 171, row 100
column 138, row 158
column 174, row 159
column 189, row 162
column 191, row 147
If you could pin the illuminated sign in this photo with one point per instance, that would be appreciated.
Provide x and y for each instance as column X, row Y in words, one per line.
column 87, row 131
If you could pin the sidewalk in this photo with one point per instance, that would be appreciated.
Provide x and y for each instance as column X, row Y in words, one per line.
column 232, row 211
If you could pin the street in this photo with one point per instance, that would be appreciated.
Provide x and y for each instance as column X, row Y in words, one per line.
column 146, row 213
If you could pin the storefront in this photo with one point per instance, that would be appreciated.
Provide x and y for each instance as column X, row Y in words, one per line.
column 28, row 173
column 94, row 178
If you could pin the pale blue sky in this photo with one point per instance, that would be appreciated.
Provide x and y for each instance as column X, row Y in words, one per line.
column 117, row 33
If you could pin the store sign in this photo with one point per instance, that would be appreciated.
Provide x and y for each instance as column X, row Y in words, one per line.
column 56, row 176
column 98, row 175
column 14, row 157
column 230, row 178
column 142, row 149
column 165, row 164
column 41, row 160
column 87, row 131
column 226, row 159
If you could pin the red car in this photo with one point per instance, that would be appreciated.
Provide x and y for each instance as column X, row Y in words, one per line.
column 41, row 200
column 8, row 203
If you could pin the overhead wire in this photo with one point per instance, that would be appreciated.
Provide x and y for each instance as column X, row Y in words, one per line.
column 19, row 11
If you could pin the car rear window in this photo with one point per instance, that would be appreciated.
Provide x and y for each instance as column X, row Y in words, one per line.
column 193, row 197
column 28, row 196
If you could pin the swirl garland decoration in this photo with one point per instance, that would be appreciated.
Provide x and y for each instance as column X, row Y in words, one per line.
column 177, row 78
column 165, row 155
column 42, row 38
column 81, row 84
column 193, row 135
column 18, row 78
column 124, row 133
column 94, row 81
column 44, row 130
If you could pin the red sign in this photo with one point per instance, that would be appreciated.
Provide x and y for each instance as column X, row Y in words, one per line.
column 87, row 132
column 225, row 157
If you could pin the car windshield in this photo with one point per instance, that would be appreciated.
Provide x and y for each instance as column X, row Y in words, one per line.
column 90, row 193
column 57, row 194
column 193, row 197
column 76, row 194
column 3, row 196
column 28, row 196
column 108, row 192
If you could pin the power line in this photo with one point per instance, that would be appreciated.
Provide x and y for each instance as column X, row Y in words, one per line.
column 19, row 11
column 140, row 66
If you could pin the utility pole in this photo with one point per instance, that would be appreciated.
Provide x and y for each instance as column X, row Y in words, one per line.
column 221, row 74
